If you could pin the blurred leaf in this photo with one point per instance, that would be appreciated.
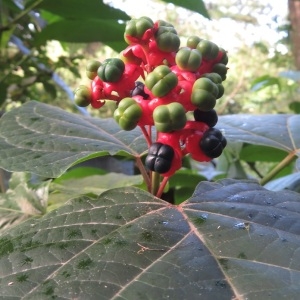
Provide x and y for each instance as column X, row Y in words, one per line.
column 265, row 81
column 294, row 75
column 295, row 107
column 3, row 91
column 82, row 9
column 21, row 200
column 95, row 184
column 46, row 140
column 50, row 89
column 196, row 6
column 290, row 182
column 254, row 153
column 107, row 31
column 224, row 242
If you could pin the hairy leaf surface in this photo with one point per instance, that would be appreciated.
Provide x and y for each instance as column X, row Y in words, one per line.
column 231, row 239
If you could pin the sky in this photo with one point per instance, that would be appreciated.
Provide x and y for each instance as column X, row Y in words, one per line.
column 223, row 32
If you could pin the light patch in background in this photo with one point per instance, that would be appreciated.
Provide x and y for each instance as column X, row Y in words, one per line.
column 225, row 32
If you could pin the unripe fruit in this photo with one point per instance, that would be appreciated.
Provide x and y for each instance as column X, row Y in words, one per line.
column 161, row 81
column 221, row 69
column 82, row 96
column 204, row 94
column 188, row 59
column 208, row 49
column 91, row 68
column 193, row 41
column 128, row 113
column 167, row 39
column 111, row 70
column 169, row 117
column 217, row 79
column 137, row 27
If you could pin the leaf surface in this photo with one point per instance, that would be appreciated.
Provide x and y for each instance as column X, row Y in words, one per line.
column 280, row 131
column 46, row 140
column 231, row 239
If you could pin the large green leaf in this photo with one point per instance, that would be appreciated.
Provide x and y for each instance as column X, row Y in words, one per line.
column 46, row 140
column 278, row 131
column 231, row 240
column 193, row 5
column 107, row 31
column 82, row 9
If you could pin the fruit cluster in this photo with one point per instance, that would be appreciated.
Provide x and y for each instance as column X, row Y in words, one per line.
column 155, row 82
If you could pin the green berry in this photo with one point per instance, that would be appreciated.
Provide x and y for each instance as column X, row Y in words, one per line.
column 137, row 27
column 161, row 81
column 221, row 69
column 204, row 94
column 208, row 49
column 188, row 59
column 91, row 68
column 111, row 70
column 82, row 96
column 193, row 41
column 169, row 117
column 128, row 113
column 217, row 79
column 167, row 39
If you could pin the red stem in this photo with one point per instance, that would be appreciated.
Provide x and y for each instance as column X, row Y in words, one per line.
column 162, row 187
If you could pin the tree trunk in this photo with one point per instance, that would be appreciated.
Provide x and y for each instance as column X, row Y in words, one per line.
column 294, row 16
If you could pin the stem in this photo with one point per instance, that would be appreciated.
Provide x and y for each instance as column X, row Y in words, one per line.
column 146, row 135
column 21, row 15
column 155, row 183
column 162, row 187
column 288, row 159
column 144, row 173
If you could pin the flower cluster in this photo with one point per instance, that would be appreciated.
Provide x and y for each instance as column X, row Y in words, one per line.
column 155, row 82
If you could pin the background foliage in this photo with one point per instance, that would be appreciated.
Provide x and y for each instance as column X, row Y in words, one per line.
column 90, row 226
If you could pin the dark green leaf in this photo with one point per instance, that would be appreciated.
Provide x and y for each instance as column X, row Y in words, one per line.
column 193, row 5
column 82, row 9
column 3, row 89
column 107, row 31
column 230, row 239
column 295, row 107
column 46, row 140
column 50, row 89
column 278, row 131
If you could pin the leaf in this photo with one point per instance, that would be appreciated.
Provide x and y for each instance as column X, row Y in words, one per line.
column 279, row 131
column 196, row 6
column 96, row 184
column 290, row 182
column 231, row 239
column 109, row 32
column 265, row 81
column 82, row 9
column 46, row 140
column 254, row 153
column 290, row 74
column 22, row 200
column 295, row 107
